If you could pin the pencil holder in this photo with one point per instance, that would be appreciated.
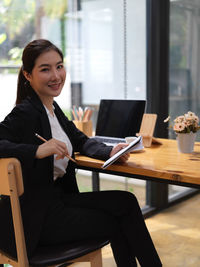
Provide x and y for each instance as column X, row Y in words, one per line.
column 85, row 127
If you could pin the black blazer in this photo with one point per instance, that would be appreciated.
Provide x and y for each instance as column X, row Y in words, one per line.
column 17, row 139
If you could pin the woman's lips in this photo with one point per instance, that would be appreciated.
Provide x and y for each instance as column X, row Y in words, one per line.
column 55, row 86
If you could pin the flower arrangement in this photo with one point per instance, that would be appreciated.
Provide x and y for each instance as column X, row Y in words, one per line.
column 186, row 123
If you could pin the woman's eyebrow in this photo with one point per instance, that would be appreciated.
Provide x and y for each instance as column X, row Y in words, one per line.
column 60, row 62
column 43, row 65
column 48, row 65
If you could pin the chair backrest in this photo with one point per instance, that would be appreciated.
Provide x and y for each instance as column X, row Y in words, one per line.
column 10, row 167
column 11, row 184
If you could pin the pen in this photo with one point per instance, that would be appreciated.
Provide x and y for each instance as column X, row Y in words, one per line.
column 44, row 140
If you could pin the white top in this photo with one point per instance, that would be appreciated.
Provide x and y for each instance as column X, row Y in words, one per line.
column 58, row 133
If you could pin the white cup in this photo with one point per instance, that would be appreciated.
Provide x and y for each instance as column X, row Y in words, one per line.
column 130, row 139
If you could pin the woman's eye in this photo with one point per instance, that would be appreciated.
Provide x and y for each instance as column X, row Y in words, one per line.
column 60, row 66
column 44, row 70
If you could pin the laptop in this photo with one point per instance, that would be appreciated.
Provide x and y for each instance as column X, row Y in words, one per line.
column 118, row 119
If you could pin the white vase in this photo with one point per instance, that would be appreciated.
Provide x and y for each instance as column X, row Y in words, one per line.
column 185, row 142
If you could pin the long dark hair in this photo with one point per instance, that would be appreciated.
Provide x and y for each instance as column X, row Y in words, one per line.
column 31, row 52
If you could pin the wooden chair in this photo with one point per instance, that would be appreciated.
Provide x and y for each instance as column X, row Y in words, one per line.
column 147, row 129
column 11, row 184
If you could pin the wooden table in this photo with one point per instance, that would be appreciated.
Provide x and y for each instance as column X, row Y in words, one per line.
column 162, row 163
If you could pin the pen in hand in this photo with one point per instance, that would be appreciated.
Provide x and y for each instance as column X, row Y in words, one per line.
column 44, row 140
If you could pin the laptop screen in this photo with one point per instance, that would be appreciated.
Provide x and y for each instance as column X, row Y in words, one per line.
column 119, row 118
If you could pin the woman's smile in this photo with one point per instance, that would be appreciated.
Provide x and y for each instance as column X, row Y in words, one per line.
column 55, row 86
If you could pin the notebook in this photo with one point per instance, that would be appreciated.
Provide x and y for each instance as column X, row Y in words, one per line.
column 117, row 119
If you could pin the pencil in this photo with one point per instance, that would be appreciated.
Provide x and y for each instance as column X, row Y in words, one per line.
column 44, row 140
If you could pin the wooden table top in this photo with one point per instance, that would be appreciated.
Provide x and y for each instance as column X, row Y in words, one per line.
column 159, row 161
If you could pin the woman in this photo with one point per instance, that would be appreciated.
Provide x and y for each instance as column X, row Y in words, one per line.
column 53, row 210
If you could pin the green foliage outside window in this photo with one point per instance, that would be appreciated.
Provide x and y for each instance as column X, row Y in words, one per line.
column 20, row 22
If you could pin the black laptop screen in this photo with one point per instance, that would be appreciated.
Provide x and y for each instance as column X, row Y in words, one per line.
column 119, row 118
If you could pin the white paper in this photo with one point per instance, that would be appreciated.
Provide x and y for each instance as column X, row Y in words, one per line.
column 134, row 145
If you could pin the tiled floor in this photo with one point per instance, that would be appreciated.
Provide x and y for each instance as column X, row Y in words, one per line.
column 176, row 233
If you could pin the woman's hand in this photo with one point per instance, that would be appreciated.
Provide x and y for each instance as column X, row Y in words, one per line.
column 51, row 147
column 117, row 148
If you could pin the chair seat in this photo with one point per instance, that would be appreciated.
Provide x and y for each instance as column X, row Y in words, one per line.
column 45, row 256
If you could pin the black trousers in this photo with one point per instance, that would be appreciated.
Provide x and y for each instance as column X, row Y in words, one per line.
column 112, row 214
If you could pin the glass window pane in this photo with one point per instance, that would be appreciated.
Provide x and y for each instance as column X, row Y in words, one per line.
column 184, row 69
column 21, row 22
column 136, row 48
column 184, row 58
column 106, row 47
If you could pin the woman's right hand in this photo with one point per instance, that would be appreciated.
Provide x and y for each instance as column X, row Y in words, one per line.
column 51, row 147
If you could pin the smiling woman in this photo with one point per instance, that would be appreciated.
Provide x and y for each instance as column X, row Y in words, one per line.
column 61, row 213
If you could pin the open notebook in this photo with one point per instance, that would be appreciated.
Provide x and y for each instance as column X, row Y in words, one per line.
column 118, row 119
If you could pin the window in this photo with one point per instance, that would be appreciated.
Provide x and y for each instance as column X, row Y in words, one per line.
column 106, row 47
column 184, row 58
column 21, row 22
column 184, row 62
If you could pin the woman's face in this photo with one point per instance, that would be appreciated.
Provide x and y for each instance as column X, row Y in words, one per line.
column 48, row 75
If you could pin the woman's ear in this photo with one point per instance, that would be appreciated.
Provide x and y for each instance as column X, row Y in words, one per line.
column 27, row 75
